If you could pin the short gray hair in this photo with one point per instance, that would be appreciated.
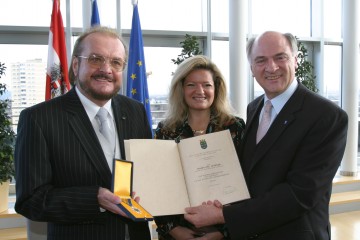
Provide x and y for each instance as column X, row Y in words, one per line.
column 289, row 37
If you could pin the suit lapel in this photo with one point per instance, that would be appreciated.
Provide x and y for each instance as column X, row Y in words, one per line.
column 83, row 129
column 253, row 110
column 121, row 119
column 280, row 124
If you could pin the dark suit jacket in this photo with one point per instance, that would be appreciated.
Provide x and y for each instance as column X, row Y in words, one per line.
column 289, row 173
column 60, row 166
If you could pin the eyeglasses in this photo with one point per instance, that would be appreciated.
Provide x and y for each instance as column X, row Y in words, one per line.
column 98, row 61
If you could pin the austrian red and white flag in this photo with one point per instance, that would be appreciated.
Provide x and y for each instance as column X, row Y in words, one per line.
column 57, row 76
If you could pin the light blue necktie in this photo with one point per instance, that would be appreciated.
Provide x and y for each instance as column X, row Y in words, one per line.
column 105, row 128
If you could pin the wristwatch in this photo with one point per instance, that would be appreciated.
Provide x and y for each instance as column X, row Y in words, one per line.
column 224, row 231
column 165, row 228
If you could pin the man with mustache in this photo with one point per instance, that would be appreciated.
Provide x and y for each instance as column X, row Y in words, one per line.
column 64, row 162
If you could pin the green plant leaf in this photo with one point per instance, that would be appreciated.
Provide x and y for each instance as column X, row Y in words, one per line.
column 190, row 47
column 7, row 136
column 305, row 70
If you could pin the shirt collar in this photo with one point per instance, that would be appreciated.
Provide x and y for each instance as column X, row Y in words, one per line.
column 279, row 101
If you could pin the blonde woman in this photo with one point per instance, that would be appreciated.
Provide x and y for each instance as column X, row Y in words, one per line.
column 198, row 104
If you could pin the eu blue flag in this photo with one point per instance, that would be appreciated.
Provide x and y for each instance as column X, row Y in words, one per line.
column 95, row 19
column 136, row 73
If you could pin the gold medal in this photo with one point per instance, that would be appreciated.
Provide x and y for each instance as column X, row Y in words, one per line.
column 128, row 202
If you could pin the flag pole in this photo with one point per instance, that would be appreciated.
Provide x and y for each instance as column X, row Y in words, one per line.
column 68, row 31
column 86, row 13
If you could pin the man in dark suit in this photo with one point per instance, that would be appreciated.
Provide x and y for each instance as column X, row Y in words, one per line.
column 289, row 171
column 63, row 169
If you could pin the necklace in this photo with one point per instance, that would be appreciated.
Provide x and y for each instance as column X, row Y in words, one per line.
column 198, row 132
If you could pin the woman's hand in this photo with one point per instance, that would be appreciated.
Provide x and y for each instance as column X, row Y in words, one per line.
column 211, row 236
column 183, row 233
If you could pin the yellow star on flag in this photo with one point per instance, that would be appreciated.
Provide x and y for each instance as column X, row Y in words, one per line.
column 133, row 91
column 139, row 63
column 133, row 76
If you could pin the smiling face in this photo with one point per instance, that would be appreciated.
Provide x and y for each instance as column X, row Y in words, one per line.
column 99, row 84
column 272, row 63
column 199, row 90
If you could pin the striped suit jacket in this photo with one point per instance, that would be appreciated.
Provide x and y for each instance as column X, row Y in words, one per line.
column 60, row 166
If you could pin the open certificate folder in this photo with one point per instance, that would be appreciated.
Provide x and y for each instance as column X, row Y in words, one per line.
column 170, row 176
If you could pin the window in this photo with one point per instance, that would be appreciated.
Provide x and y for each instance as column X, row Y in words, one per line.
column 22, row 60
column 16, row 13
column 184, row 15
column 332, row 18
column 332, row 73
column 163, row 30
column 281, row 15
column 220, row 16
column 160, row 68
column 221, row 59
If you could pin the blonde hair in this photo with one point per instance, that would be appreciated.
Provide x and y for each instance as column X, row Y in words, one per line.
column 78, row 47
column 178, row 109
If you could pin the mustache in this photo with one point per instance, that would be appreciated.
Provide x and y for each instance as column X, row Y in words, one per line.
column 102, row 75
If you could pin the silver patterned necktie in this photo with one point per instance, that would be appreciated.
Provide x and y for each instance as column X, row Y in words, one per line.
column 265, row 121
column 105, row 129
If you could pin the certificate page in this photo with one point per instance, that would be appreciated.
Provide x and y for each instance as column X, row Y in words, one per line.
column 158, row 176
column 212, row 169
